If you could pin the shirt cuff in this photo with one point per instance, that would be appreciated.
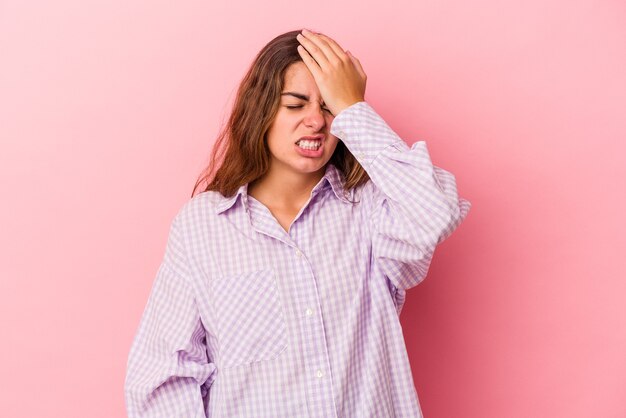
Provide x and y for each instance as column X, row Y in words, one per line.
column 364, row 132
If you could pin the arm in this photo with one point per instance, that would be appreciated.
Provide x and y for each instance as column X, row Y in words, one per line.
column 168, row 372
column 413, row 205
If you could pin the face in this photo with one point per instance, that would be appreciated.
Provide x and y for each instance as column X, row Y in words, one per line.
column 298, row 117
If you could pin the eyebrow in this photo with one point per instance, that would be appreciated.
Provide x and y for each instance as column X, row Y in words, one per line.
column 298, row 95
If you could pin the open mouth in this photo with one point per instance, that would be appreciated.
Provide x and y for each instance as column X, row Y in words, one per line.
column 309, row 144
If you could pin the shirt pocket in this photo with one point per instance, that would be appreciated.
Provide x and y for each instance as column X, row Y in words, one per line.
column 250, row 318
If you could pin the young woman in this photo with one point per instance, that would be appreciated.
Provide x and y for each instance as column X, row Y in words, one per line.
column 282, row 282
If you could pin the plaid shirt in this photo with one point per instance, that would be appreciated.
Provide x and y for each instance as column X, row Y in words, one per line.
column 245, row 319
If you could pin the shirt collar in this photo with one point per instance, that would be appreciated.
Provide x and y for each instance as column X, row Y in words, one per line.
column 332, row 177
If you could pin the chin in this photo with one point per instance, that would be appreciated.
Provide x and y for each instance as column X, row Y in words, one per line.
column 311, row 167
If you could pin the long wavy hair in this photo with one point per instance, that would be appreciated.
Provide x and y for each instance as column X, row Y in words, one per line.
column 240, row 154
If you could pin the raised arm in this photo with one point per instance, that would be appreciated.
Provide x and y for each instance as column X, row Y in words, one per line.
column 413, row 205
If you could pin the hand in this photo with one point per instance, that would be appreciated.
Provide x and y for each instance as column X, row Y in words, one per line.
column 338, row 74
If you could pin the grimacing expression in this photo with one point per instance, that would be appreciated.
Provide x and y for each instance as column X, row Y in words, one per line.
column 301, row 113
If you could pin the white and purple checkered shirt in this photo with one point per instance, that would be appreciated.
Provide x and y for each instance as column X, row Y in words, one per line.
column 247, row 320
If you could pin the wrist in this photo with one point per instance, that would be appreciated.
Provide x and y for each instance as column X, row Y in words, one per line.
column 338, row 109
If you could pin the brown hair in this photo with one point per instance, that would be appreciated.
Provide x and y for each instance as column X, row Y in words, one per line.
column 241, row 147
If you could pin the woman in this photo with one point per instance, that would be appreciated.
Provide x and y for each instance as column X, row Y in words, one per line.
column 282, row 282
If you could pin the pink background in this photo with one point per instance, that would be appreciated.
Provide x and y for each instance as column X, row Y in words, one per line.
column 108, row 110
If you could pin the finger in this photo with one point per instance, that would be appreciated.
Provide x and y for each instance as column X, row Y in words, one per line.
column 357, row 64
column 313, row 50
column 311, row 64
column 319, row 41
column 335, row 46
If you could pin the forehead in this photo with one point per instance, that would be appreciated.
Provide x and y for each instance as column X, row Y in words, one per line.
column 298, row 78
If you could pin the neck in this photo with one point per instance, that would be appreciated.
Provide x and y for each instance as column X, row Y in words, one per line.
column 284, row 189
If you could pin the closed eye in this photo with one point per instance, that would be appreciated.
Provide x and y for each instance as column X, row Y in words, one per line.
column 299, row 106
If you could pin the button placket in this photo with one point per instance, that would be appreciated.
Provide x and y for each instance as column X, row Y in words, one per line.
column 315, row 351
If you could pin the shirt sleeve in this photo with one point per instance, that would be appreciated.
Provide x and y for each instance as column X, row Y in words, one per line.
column 413, row 205
column 168, row 371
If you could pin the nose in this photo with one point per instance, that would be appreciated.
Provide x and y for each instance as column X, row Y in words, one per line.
column 314, row 118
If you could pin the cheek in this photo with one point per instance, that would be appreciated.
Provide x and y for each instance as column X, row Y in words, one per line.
column 278, row 134
column 331, row 143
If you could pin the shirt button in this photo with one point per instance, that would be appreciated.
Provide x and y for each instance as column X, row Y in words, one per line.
column 309, row 311
column 342, row 134
column 362, row 155
column 299, row 253
column 319, row 373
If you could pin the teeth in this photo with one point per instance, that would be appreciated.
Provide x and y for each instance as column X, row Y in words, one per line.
column 311, row 145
